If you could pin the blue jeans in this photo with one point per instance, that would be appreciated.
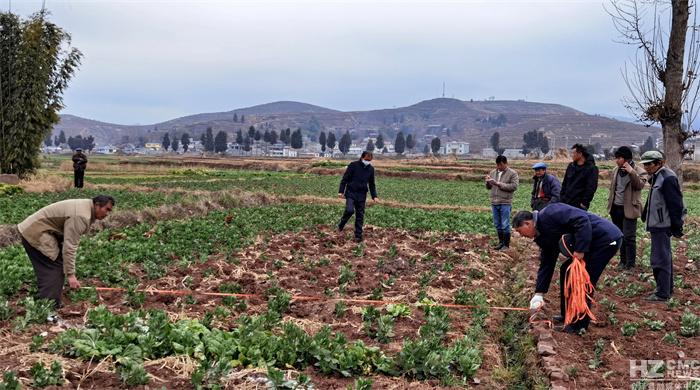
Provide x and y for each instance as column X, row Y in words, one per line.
column 501, row 217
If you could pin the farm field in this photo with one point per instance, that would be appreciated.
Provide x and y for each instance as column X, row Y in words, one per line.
column 317, row 310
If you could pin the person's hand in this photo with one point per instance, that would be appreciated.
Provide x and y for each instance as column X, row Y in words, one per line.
column 627, row 167
column 73, row 282
column 375, row 200
column 488, row 179
column 677, row 231
column 583, row 206
column 578, row 255
column 341, row 195
column 537, row 302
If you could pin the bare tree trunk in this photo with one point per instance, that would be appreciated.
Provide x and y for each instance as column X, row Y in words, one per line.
column 673, row 134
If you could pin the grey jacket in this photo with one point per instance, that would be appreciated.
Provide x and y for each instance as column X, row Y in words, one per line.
column 664, row 207
column 504, row 193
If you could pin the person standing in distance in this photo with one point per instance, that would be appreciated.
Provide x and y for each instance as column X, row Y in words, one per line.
column 79, row 166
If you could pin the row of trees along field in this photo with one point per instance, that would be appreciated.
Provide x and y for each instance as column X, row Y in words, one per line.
column 38, row 62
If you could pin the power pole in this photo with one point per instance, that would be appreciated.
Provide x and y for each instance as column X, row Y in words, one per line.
column 443, row 89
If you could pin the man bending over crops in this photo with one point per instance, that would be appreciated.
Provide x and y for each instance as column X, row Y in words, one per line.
column 353, row 187
column 575, row 233
column 51, row 237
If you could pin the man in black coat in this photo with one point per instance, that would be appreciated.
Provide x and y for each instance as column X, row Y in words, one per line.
column 358, row 177
column 580, row 180
column 79, row 165
column 587, row 236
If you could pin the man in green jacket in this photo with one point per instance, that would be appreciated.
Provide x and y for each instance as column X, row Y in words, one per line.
column 51, row 236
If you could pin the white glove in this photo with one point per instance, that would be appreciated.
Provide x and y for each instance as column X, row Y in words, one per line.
column 536, row 302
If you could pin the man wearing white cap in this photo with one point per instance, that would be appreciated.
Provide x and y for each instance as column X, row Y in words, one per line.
column 545, row 187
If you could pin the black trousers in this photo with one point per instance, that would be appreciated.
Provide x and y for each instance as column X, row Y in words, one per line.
column 78, row 176
column 662, row 262
column 596, row 261
column 628, row 227
column 356, row 207
column 49, row 273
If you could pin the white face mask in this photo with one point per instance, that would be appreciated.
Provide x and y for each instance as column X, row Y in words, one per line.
column 366, row 162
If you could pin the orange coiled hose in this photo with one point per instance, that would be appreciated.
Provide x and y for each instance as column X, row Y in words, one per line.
column 577, row 287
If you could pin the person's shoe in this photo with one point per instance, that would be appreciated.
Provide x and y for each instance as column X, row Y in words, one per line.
column 53, row 318
column 570, row 330
column 655, row 298
column 558, row 319
column 339, row 228
column 358, row 239
column 621, row 266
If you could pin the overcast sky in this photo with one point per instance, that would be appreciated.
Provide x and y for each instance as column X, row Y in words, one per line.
column 149, row 61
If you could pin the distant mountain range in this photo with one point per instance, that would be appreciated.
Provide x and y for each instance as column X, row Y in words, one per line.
column 450, row 119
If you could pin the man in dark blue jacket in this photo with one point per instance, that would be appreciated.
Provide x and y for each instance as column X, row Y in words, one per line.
column 664, row 214
column 545, row 187
column 353, row 187
column 589, row 237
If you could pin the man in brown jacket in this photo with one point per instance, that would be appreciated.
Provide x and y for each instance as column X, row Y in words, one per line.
column 625, row 202
column 51, row 237
column 502, row 182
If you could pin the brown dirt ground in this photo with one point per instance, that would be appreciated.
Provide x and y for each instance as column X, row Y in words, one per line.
column 294, row 260
column 574, row 352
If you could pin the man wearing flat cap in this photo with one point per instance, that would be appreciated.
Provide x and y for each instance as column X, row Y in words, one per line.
column 545, row 187
column 664, row 215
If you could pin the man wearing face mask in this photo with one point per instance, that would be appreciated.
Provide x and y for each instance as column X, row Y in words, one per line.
column 625, row 203
column 358, row 178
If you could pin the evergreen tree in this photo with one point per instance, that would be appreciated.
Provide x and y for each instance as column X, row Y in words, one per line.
column 48, row 141
column 288, row 136
column 175, row 145
column 435, row 145
column 209, row 140
column 185, row 142
column 370, row 146
column 399, row 143
column 330, row 140
column 385, row 150
column 410, row 142
column 297, row 139
column 273, row 137
column 322, row 140
column 648, row 145
column 426, row 149
column 239, row 137
column 55, row 141
column 62, row 137
column 203, row 139
column 89, row 143
column 251, row 132
column 242, row 118
column 345, row 142
column 266, row 136
column 235, row 118
column 495, row 142
column 380, row 142
column 221, row 142
column 166, row 142
column 257, row 136
column 246, row 144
